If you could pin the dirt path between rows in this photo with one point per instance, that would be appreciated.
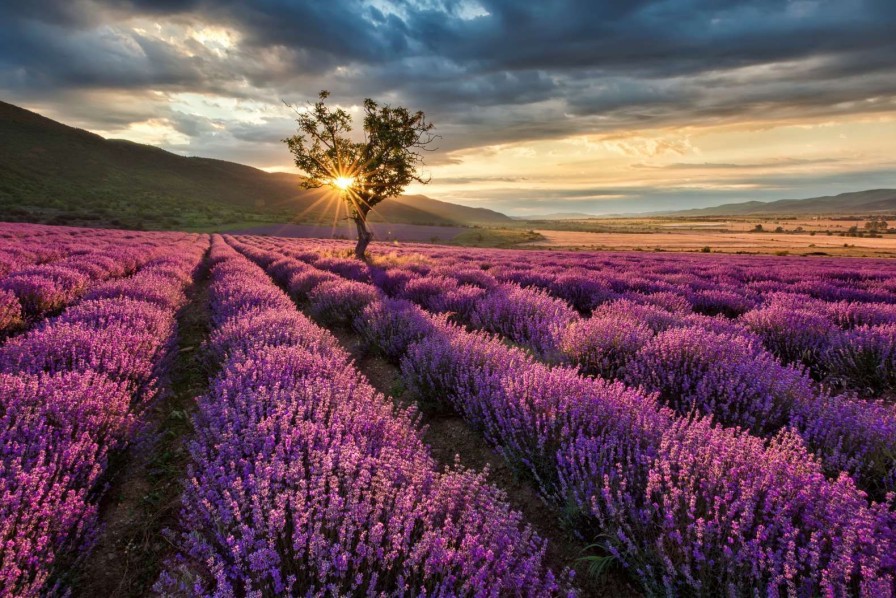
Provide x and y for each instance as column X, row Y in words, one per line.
column 144, row 498
column 452, row 440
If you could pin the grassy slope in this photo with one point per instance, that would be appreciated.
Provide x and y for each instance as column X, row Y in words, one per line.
column 50, row 172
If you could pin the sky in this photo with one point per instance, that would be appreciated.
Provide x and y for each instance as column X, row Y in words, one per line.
column 542, row 107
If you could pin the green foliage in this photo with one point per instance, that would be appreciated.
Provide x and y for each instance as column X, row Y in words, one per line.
column 380, row 166
column 60, row 175
column 56, row 174
column 876, row 224
column 495, row 237
column 598, row 565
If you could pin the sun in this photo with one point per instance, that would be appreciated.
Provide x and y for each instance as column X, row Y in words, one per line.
column 343, row 182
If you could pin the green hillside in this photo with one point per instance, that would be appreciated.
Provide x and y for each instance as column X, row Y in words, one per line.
column 53, row 173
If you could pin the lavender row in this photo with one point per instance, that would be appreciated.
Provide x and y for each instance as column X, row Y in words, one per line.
column 711, row 364
column 31, row 292
column 688, row 507
column 695, row 362
column 23, row 245
column 749, row 277
column 28, row 293
column 725, row 372
column 846, row 344
column 71, row 391
column 706, row 283
column 851, row 345
column 305, row 481
column 812, row 328
column 527, row 317
column 810, row 322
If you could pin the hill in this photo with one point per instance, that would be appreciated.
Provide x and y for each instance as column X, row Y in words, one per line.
column 856, row 203
column 50, row 172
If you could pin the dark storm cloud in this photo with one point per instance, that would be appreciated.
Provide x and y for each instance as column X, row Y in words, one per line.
column 647, row 39
column 345, row 31
column 50, row 56
column 487, row 72
column 651, row 38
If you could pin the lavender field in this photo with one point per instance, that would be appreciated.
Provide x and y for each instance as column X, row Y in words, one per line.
column 273, row 416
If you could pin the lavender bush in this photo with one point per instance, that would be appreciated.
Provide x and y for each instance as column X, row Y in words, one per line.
column 795, row 335
column 865, row 358
column 340, row 301
column 71, row 391
column 603, row 345
column 304, row 480
column 686, row 505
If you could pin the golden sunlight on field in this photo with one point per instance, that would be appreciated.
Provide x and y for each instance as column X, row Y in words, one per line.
column 727, row 242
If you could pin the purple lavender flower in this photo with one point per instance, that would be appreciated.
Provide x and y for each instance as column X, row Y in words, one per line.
column 864, row 358
column 391, row 325
column 687, row 506
column 10, row 311
column 304, row 480
column 532, row 318
column 729, row 377
column 603, row 345
column 70, row 393
column 795, row 335
column 340, row 301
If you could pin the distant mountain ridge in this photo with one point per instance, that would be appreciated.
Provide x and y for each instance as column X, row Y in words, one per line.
column 868, row 202
column 52, row 172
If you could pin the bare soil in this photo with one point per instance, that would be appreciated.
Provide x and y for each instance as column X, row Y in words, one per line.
column 452, row 440
column 144, row 498
column 721, row 242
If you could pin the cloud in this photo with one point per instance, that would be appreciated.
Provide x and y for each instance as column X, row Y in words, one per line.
column 601, row 56
column 765, row 164
column 646, row 198
column 487, row 72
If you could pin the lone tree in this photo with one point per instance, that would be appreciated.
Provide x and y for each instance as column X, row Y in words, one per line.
column 366, row 172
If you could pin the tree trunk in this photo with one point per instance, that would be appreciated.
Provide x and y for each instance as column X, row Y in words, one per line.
column 364, row 236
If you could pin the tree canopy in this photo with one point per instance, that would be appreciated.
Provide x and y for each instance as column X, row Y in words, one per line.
column 365, row 172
